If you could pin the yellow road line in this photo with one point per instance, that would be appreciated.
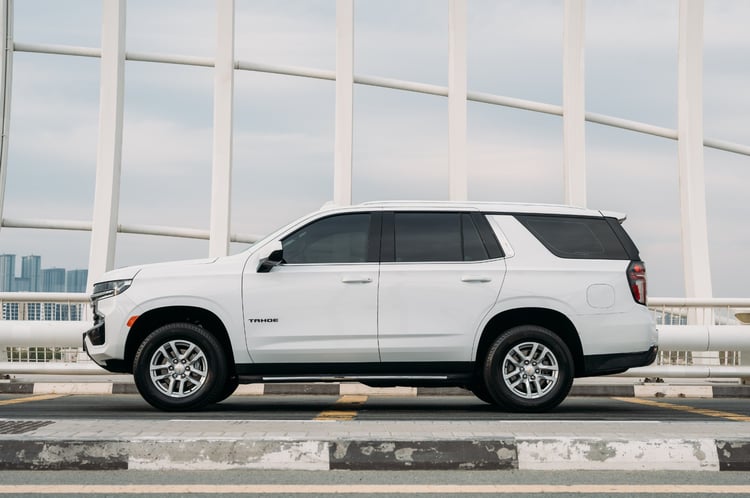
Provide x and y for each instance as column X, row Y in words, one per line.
column 27, row 399
column 349, row 401
column 392, row 489
column 682, row 408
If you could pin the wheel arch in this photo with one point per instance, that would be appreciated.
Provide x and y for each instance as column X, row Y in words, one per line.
column 157, row 317
column 553, row 320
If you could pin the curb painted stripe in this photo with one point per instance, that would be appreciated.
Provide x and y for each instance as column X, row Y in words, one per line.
column 424, row 455
column 734, row 455
column 613, row 390
column 73, row 388
column 503, row 454
column 672, row 391
column 599, row 454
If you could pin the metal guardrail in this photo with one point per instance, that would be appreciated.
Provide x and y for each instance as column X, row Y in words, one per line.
column 698, row 338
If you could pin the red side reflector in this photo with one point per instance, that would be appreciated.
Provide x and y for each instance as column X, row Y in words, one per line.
column 132, row 320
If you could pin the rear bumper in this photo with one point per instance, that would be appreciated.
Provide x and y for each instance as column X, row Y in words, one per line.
column 605, row 364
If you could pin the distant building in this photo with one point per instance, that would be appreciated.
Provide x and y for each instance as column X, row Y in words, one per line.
column 31, row 268
column 10, row 311
column 53, row 280
column 22, row 284
column 7, row 272
column 75, row 280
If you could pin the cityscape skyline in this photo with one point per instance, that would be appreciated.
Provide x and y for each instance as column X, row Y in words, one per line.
column 34, row 278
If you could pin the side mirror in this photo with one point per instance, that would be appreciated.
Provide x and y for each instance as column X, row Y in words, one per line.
column 274, row 259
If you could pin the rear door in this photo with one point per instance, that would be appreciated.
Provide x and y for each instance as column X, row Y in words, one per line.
column 440, row 274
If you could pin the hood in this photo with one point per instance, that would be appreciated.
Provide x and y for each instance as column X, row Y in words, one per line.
column 130, row 272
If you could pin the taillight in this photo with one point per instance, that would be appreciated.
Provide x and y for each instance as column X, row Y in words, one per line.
column 637, row 281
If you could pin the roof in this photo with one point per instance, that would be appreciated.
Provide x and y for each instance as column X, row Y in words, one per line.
column 497, row 207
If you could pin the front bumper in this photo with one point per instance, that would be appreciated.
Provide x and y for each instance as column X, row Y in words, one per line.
column 111, row 364
column 104, row 342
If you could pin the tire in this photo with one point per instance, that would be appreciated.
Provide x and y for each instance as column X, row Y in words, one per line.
column 180, row 367
column 480, row 391
column 229, row 387
column 528, row 369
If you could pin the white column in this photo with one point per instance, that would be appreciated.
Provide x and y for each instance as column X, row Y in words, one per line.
column 342, row 149
column 109, row 147
column 696, row 263
column 221, row 168
column 458, row 189
column 574, row 103
column 6, row 84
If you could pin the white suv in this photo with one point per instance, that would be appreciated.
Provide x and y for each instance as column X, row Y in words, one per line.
column 511, row 301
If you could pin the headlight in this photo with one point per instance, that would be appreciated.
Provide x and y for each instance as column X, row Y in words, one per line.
column 109, row 289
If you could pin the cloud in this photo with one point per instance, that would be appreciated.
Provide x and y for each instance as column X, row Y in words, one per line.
column 283, row 157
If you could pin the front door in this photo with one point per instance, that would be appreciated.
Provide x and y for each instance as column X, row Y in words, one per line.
column 320, row 304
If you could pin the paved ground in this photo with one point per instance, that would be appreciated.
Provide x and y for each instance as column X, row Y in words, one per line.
column 373, row 432
column 358, row 483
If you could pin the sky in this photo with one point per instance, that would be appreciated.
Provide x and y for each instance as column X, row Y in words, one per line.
column 284, row 126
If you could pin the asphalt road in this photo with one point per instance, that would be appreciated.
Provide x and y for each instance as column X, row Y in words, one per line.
column 375, row 408
column 347, row 483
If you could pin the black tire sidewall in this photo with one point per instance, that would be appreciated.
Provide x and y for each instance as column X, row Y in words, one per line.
column 216, row 376
column 230, row 386
column 493, row 369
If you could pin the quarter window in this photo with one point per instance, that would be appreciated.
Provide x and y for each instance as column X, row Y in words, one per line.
column 424, row 237
column 575, row 237
column 336, row 239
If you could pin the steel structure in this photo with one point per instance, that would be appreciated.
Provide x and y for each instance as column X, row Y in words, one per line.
column 113, row 55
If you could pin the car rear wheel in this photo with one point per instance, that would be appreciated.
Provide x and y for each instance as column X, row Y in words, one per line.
column 180, row 366
column 528, row 369
column 480, row 391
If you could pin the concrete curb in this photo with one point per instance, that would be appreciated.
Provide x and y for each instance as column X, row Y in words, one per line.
column 478, row 454
column 331, row 389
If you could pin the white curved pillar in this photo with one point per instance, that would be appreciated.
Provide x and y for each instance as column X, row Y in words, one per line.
column 458, row 184
column 574, row 102
column 221, row 166
column 344, row 126
column 696, row 262
column 6, row 83
column 109, row 145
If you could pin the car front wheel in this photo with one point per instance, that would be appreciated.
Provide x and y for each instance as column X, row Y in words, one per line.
column 180, row 366
column 528, row 369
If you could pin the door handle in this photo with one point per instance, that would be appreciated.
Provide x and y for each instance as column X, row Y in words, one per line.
column 356, row 280
column 476, row 278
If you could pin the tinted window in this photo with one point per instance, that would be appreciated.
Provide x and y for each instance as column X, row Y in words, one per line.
column 575, row 237
column 337, row 239
column 473, row 247
column 423, row 237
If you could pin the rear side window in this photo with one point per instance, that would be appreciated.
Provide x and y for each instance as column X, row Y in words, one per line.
column 575, row 237
column 424, row 237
